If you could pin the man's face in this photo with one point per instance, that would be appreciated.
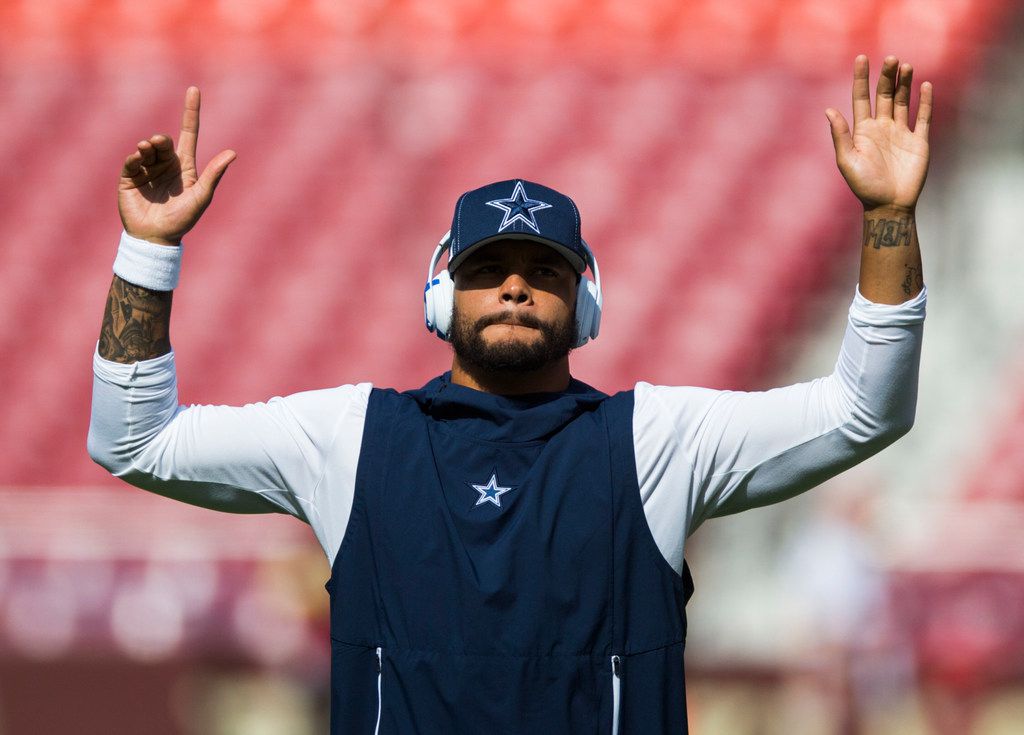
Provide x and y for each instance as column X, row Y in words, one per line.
column 514, row 307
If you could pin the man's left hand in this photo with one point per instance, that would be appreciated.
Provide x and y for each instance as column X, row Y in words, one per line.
column 883, row 160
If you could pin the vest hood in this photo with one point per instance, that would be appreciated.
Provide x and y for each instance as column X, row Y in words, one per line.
column 528, row 417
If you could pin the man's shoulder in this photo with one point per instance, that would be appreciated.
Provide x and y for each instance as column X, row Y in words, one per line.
column 327, row 404
column 671, row 406
column 652, row 392
column 346, row 391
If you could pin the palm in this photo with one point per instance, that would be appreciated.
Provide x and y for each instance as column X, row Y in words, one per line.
column 161, row 202
column 160, row 196
column 883, row 160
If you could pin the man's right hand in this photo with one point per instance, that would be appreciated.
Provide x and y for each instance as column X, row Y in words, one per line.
column 159, row 196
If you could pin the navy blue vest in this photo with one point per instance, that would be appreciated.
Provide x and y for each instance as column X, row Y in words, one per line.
column 498, row 575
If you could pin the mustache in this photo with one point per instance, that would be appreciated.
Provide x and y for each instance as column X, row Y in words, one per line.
column 523, row 320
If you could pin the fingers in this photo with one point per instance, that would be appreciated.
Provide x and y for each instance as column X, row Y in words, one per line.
column 214, row 171
column 901, row 101
column 149, row 153
column 159, row 148
column 189, row 135
column 162, row 148
column 892, row 94
column 924, row 111
column 861, row 87
column 886, row 87
column 132, row 165
column 144, row 156
column 841, row 138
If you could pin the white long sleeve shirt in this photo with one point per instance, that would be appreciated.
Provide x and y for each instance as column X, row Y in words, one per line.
column 700, row 453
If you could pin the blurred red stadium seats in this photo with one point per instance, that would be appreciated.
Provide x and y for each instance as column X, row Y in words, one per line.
column 680, row 128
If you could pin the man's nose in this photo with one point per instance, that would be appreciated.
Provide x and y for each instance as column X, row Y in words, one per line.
column 515, row 290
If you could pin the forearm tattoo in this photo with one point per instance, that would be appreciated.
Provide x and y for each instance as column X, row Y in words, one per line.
column 136, row 323
column 887, row 233
column 912, row 279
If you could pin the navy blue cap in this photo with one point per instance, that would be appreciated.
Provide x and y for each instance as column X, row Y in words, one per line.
column 516, row 209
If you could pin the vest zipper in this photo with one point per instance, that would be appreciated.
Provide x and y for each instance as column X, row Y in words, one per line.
column 616, row 682
column 380, row 674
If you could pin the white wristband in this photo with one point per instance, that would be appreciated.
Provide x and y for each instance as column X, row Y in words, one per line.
column 148, row 264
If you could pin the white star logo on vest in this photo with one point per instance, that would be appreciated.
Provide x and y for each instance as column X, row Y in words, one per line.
column 519, row 208
column 492, row 491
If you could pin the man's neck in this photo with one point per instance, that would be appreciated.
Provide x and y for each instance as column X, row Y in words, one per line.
column 553, row 378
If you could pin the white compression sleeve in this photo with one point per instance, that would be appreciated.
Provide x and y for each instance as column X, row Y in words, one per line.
column 702, row 453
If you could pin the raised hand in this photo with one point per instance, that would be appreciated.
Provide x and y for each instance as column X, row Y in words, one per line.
column 883, row 160
column 159, row 196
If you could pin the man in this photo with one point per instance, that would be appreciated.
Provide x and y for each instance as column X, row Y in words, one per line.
column 507, row 542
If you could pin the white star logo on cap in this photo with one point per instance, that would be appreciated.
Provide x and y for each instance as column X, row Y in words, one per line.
column 519, row 208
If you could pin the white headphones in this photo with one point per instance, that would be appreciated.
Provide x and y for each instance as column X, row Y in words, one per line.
column 439, row 297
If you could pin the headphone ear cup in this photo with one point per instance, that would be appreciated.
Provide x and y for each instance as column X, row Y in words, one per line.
column 588, row 311
column 438, row 300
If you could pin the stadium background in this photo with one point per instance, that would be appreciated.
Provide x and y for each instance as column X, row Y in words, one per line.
column 693, row 137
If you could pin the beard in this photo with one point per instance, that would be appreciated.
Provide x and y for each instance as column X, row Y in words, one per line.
column 556, row 340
